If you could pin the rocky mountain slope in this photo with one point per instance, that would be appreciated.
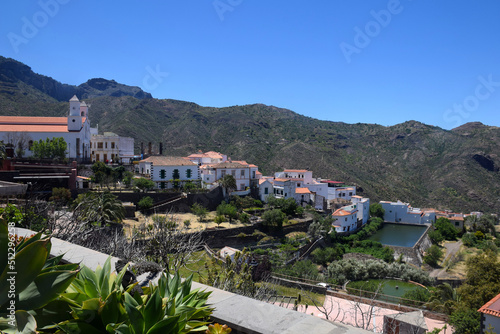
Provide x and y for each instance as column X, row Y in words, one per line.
column 415, row 162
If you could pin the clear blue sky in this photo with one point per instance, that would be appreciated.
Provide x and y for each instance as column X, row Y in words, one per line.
column 353, row 61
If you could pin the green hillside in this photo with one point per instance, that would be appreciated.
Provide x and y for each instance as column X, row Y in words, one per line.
column 422, row 164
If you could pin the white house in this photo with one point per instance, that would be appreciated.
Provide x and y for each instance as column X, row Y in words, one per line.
column 245, row 174
column 346, row 219
column 228, row 251
column 210, row 157
column 21, row 131
column 302, row 178
column 399, row 212
column 363, row 206
column 109, row 147
column 266, row 189
column 490, row 314
column 169, row 172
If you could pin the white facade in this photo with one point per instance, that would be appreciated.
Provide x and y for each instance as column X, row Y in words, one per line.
column 341, row 192
column 363, row 206
column 242, row 172
column 74, row 129
column 169, row 172
column 399, row 212
column 302, row 178
column 109, row 147
column 266, row 189
column 346, row 219
column 210, row 157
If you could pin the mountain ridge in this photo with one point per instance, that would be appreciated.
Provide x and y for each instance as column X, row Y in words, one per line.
column 422, row 164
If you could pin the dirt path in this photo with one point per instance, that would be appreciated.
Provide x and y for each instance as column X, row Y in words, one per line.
column 451, row 250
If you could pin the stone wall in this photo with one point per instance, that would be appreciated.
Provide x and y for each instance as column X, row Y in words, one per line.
column 300, row 285
column 413, row 254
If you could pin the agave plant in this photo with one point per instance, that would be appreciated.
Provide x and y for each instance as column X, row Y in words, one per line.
column 100, row 304
column 218, row 329
column 29, row 279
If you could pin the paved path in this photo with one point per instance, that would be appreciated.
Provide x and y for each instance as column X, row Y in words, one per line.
column 451, row 250
column 356, row 314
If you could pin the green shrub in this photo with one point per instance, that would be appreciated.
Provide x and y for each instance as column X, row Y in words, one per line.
column 145, row 203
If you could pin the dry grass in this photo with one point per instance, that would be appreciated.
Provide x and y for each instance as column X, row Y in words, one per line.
column 180, row 218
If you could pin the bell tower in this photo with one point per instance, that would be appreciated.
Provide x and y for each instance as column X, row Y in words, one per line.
column 75, row 117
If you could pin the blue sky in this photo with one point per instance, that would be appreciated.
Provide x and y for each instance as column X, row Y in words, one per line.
column 353, row 61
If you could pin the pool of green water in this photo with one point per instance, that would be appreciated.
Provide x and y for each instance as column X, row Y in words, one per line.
column 399, row 234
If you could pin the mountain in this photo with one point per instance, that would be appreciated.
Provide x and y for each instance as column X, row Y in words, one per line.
column 414, row 162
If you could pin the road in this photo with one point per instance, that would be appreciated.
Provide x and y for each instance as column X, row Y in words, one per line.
column 451, row 250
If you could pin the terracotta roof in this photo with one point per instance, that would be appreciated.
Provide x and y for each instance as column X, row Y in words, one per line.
column 333, row 182
column 228, row 164
column 168, row 161
column 296, row 170
column 356, row 196
column 258, row 173
column 492, row 307
column 263, row 180
column 302, row 191
column 281, row 180
column 342, row 212
column 34, row 124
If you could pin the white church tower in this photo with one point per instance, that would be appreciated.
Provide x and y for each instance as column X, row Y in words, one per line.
column 75, row 114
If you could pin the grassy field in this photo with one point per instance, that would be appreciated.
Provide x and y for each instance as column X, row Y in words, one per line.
column 307, row 297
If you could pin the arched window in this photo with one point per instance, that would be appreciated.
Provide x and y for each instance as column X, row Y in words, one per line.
column 83, row 113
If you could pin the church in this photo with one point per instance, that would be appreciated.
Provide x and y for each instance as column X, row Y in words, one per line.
column 19, row 132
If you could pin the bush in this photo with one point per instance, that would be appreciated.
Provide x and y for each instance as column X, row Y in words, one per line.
column 145, row 203
column 273, row 219
column 469, row 239
column 187, row 222
column 419, row 295
column 242, row 235
column 446, row 228
column 434, row 253
column 435, row 236
column 244, row 218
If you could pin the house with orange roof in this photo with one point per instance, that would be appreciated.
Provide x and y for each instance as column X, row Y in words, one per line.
column 266, row 188
column 169, row 172
column 346, row 219
column 302, row 178
column 20, row 132
column 490, row 314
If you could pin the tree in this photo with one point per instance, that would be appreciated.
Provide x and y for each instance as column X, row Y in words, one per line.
column 444, row 298
column 376, row 210
column 228, row 183
column 99, row 208
column 145, row 203
column 219, row 220
column 288, row 205
column 127, row 178
column 435, row 236
column 228, row 211
column 320, row 227
column 19, row 141
column 434, row 253
column 273, row 219
column 446, row 228
column 54, row 148
column 144, row 184
column 199, row 210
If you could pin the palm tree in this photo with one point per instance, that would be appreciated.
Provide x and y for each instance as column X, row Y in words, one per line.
column 444, row 299
column 228, row 182
column 99, row 208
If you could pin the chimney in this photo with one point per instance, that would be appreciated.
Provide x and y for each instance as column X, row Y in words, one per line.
column 161, row 148
column 150, row 148
column 142, row 148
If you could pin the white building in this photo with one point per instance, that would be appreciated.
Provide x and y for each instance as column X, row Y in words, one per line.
column 266, row 189
column 399, row 212
column 75, row 129
column 169, row 172
column 346, row 219
column 245, row 174
column 490, row 314
column 210, row 157
column 302, row 178
column 363, row 206
column 109, row 147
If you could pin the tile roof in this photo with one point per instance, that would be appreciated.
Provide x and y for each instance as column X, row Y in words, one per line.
column 34, row 124
column 302, row 191
column 281, row 180
column 492, row 307
column 229, row 164
column 342, row 212
column 296, row 170
column 168, row 161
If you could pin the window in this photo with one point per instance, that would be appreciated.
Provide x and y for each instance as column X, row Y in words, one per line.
column 30, row 144
column 253, row 174
column 350, row 194
column 163, row 174
column 189, row 172
column 346, row 219
column 457, row 223
column 105, row 158
column 266, row 191
column 233, row 173
column 175, row 174
column 223, row 172
column 83, row 114
column 242, row 186
column 298, row 185
column 106, row 145
column 112, row 144
column 162, row 185
column 99, row 145
column 242, row 173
